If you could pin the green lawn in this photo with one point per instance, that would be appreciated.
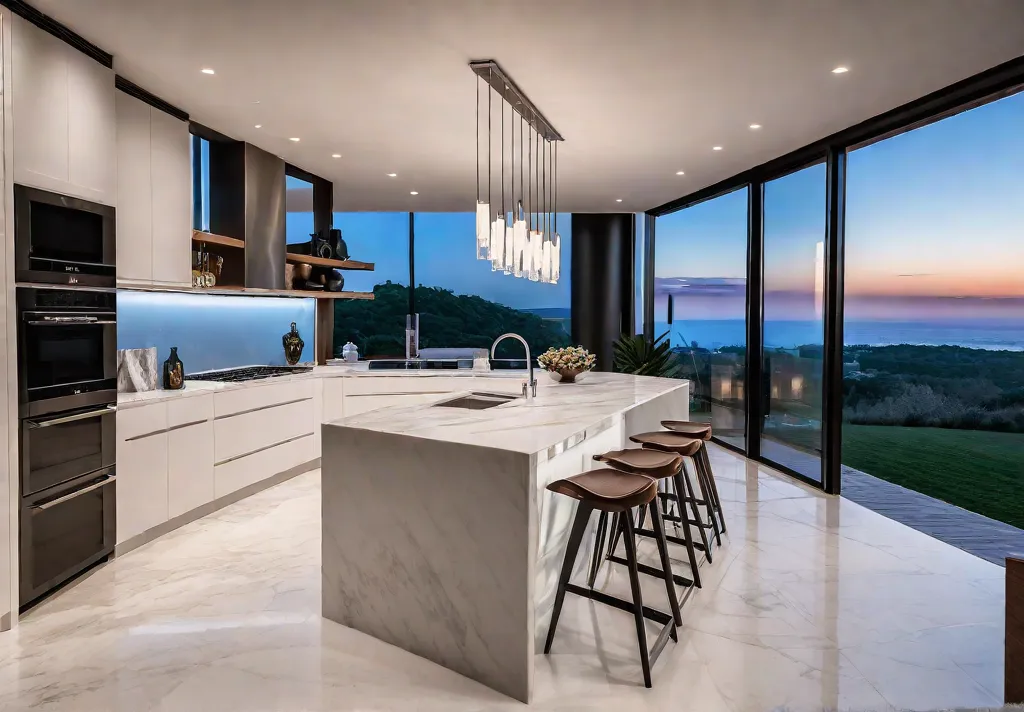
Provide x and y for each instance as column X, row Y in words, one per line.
column 975, row 469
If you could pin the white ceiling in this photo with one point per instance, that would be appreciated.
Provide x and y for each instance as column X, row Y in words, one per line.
column 640, row 89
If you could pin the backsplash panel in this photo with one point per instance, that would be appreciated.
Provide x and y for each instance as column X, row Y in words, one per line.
column 212, row 331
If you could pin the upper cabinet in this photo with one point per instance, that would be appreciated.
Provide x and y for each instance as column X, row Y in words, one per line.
column 64, row 117
column 154, row 200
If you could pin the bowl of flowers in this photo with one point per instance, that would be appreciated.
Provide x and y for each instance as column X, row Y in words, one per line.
column 567, row 365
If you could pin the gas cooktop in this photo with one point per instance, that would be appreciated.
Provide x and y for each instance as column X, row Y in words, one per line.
column 249, row 373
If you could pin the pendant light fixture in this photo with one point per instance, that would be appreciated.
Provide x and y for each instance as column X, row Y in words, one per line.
column 519, row 230
column 483, row 209
column 519, row 237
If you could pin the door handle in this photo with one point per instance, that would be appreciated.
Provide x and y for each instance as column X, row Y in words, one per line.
column 76, row 493
column 106, row 410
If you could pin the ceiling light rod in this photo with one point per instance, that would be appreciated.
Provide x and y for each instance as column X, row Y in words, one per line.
column 491, row 72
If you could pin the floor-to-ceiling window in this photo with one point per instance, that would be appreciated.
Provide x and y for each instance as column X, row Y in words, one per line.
column 377, row 327
column 700, row 298
column 934, row 310
column 463, row 303
column 793, row 326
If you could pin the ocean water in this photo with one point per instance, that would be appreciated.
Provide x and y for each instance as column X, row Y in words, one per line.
column 991, row 334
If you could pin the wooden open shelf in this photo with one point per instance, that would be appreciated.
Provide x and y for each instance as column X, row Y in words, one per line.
column 295, row 258
column 213, row 239
column 252, row 292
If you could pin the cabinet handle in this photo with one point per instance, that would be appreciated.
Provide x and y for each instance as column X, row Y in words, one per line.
column 76, row 493
column 106, row 410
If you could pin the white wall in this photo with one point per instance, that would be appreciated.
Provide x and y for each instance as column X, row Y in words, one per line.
column 8, row 354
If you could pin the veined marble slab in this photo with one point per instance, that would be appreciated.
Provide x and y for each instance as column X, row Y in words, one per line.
column 558, row 417
column 438, row 533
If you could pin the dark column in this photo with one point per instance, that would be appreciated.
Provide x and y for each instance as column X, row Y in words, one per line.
column 602, row 281
column 1013, row 692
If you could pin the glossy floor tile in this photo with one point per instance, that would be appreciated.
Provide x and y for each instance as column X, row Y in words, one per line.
column 812, row 603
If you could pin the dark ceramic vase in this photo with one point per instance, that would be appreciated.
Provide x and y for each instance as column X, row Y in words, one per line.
column 293, row 345
column 174, row 371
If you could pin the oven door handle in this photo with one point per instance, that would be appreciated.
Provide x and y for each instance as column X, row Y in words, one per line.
column 76, row 493
column 87, row 321
column 106, row 410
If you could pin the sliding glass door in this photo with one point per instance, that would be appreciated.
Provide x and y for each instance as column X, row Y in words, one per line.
column 793, row 327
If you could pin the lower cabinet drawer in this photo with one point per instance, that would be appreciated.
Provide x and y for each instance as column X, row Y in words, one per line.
column 248, row 470
column 245, row 433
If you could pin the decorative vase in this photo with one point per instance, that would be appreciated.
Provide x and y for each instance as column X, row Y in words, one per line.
column 567, row 376
column 293, row 345
column 174, row 371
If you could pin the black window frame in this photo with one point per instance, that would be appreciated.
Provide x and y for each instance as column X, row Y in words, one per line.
column 988, row 86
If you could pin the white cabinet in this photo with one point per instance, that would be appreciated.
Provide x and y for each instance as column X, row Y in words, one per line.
column 172, row 199
column 134, row 190
column 141, row 470
column 189, row 468
column 189, row 454
column 64, row 117
column 154, row 236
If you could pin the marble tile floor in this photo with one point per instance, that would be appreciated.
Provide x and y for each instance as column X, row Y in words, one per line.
column 813, row 603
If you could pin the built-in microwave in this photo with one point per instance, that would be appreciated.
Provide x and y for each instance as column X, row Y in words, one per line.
column 62, row 240
column 67, row 349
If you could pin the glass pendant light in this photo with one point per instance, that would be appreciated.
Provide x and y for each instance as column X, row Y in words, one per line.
column 508, row 265
column 519, row 231
column 556, row 239
column 483, row 209
column 498, row 227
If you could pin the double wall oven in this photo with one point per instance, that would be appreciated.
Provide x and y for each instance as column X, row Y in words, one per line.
column 67, row 387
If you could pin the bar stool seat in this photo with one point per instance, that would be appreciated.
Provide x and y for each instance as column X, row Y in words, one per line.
column 688, row 427
column 608, row 490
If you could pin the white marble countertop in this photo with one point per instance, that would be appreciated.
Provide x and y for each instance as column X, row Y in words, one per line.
column 560, row 413
column 358, row 370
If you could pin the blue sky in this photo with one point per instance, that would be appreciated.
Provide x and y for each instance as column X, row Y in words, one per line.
column 934, row 228
column 445, row 255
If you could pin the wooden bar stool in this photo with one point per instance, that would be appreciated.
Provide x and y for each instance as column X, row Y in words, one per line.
column 685, row 492
column 659, row 466
column 703, row 432
column 616, row 492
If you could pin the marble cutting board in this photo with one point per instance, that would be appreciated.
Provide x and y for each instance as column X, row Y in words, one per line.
column 137, row 370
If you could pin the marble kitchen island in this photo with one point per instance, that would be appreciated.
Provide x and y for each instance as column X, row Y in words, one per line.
column 439, row 536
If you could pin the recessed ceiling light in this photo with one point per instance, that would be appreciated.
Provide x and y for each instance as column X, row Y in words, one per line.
column 259, row 126
column 296, row 140
column 680, row 173
column 207, row 70
column 618, row 200
column 335, row 155
column 256, row 102
column 392, row 175
column 840, row 70
column 413, row 192
column 716, row 148
column 755, row 127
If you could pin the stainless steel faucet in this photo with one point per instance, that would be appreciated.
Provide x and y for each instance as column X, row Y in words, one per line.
column 529, row 362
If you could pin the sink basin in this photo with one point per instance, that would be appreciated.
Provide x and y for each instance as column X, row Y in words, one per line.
column 477, row 401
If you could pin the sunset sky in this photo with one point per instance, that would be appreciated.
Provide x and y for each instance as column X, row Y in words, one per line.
column 936, row 212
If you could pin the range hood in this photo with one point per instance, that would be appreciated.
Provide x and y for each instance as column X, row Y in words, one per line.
column 247, row 188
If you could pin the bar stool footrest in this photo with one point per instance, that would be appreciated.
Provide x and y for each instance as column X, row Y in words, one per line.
column 670, row 539
column 668, row 631
column 650, row 571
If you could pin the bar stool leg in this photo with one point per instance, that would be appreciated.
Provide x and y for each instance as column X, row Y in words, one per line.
column 579, row 527
column 691, row 498
column 707, row 497
column 638, row 604
column 714, row 485
column 691, row 552
column 596, row 558
column 613, row 542
column 666, row 564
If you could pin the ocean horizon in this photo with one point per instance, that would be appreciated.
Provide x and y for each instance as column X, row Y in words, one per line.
column 988, row 334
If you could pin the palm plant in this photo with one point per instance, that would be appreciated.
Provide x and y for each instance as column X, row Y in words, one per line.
column 637, row 355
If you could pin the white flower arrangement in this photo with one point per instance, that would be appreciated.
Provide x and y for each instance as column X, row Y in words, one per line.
column 570, row 358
